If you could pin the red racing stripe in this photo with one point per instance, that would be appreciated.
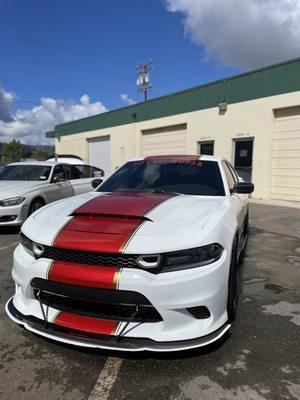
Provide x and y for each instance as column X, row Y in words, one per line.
column 84, row 275
column 107, row 222
column 85, row 324
column 129, row 204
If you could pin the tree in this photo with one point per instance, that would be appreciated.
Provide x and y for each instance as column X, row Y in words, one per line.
column 40, row 154
column 13, row 151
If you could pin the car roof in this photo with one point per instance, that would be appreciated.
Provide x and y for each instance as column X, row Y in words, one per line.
column 35, row 162
column 181, row 157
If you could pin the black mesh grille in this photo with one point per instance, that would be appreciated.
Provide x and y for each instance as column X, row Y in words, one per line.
column 115, row 312
column 200, row 312
column 93, row 258
column 116, row 305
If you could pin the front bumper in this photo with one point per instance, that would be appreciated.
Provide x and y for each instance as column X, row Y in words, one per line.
column 170, row 293
column 14, row 215
column 52, row 331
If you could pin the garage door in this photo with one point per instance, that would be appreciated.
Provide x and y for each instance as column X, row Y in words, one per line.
column 165, row 140
column 285, row 181
column 99, row 153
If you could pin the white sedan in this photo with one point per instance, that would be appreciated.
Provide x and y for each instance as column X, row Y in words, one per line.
column 149, row 261
column 27, row 186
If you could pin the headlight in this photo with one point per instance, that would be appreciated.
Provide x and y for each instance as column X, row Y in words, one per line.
column 192, row 258
column 14, row 201
column 27, row 243
column 182, row 259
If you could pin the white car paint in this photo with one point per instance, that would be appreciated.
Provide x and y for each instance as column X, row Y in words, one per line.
column 46, row 190
column 181, row 222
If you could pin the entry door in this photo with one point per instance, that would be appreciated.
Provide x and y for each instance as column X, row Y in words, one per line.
column 243, row 150
column 99, row 154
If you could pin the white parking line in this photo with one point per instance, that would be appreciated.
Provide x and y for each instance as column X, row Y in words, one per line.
column 9, row 245
column 106, row 379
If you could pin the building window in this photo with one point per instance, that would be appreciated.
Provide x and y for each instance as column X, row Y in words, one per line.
column 206, row 148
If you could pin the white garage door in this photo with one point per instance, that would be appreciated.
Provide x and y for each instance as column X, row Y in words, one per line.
column 285, row 183
column 165, row 140
column 99, row 153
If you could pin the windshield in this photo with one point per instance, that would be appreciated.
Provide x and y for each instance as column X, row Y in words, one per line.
column 25, row 173
column 193, row 177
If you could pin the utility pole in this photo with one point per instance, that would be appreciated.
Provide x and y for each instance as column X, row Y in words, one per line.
column 143, row 78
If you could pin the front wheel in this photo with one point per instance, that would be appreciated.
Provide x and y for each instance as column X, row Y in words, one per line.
column 35, row 205
column 233, row 284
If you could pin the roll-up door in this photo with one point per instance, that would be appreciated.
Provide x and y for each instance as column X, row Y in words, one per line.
column 165, row 140
column 285, row 180
column 99, row 153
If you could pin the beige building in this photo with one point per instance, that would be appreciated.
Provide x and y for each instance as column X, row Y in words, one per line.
column 252, row 119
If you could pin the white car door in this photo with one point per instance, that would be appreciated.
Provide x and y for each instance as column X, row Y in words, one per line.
column 81, row 177
column 60, row 186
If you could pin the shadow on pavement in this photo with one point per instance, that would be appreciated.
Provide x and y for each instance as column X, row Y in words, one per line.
column 9, row 230
column 142, row 355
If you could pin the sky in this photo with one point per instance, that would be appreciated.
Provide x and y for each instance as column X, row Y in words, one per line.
column 62, row 60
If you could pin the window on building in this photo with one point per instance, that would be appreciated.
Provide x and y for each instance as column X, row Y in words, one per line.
column 206, row 148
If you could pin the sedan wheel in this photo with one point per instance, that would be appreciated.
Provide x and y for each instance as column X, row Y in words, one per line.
column 35, row 206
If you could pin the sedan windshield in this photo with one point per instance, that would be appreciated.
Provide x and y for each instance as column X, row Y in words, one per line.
column 194, row 177
column 25, row 173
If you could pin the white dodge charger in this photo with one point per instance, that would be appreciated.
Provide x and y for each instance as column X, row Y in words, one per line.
column 149, row 261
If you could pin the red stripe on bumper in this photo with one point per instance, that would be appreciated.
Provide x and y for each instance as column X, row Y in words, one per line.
column 85, row 324
column 84, row 275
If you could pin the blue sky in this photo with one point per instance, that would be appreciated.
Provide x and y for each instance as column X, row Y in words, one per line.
column 63, row 49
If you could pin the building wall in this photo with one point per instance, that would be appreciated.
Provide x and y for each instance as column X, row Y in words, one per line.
column 248, row 119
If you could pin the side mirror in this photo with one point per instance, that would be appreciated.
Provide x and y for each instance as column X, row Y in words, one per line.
column 96, row 182
column 57, row 179
column 244, row 187
column 99, row 174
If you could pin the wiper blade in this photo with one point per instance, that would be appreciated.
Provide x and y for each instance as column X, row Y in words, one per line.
column 164, row 191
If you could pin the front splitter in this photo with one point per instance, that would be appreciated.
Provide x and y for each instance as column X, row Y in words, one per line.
column 108, row 342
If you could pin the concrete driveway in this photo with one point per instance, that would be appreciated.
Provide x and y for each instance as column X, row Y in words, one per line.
column 257, row 360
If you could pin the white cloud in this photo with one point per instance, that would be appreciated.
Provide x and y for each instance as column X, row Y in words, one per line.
column 6, row 102
column 243, row 33
column 127, row 99
column 30, row 125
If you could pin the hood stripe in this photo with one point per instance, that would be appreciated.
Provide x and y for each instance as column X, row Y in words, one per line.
column 119, row 216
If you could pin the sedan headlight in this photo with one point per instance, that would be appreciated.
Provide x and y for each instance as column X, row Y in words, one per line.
column 182, row 259
column 14, row 201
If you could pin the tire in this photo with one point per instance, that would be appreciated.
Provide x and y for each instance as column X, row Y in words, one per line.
column 233, row 285
column 245, row 234
column 35, row 205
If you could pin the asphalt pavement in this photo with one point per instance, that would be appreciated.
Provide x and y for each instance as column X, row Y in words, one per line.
column 257, row 360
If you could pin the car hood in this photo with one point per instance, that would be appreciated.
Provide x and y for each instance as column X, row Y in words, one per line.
column 87, row 221
column 18, row 188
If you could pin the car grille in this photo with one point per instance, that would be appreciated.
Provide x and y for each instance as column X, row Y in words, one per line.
column 93, row 258
column 116, row 305
column 199, row 312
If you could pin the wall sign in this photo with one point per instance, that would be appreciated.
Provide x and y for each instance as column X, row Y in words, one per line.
column 242, row 134
column 205, row 138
